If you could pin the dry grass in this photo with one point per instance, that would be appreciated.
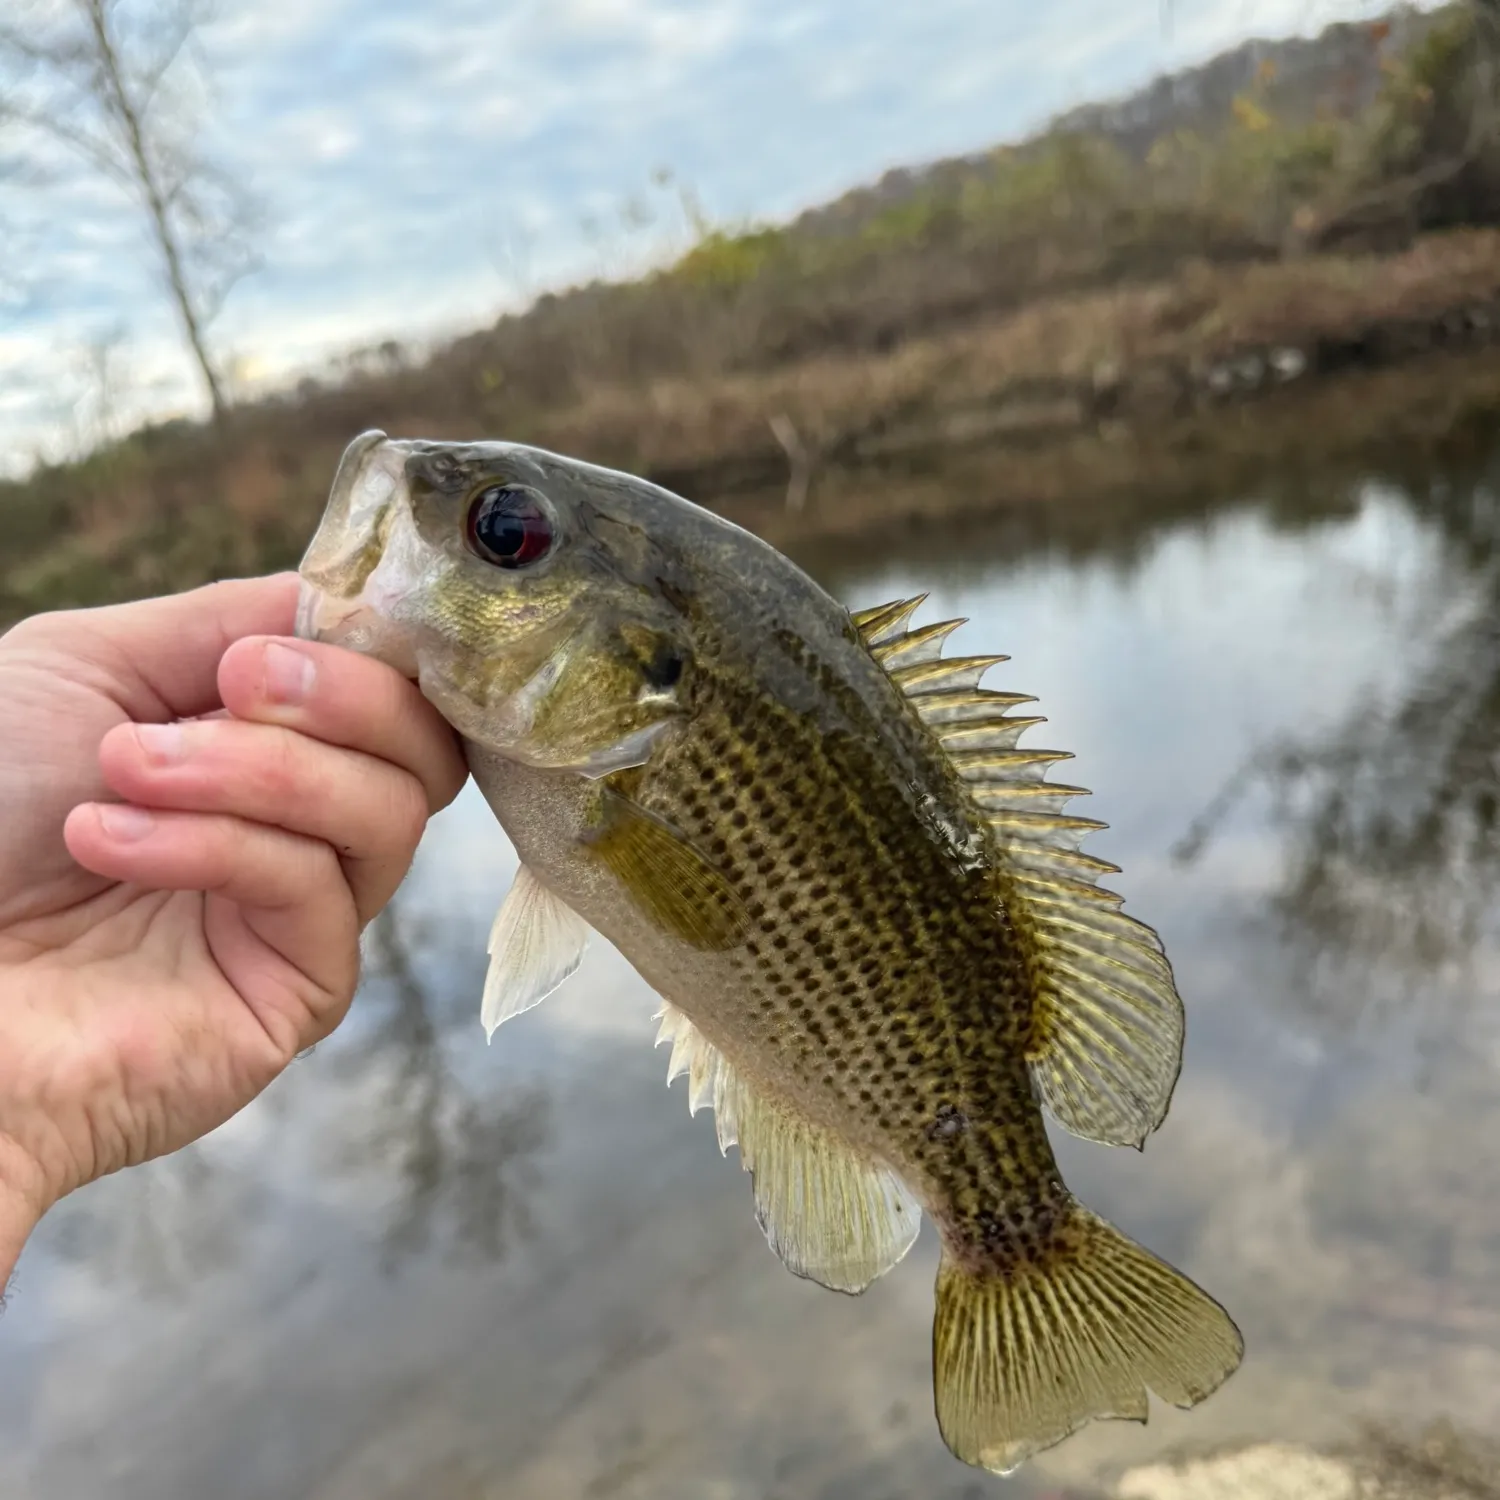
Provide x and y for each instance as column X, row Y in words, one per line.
column 1041, row 354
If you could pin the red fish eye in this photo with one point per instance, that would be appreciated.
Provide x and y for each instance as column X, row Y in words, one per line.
column 508, row 527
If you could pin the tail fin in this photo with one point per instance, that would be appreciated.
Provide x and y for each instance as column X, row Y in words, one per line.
column 1027, row 1353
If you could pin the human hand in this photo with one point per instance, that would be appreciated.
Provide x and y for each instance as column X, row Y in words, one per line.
column 164, row 956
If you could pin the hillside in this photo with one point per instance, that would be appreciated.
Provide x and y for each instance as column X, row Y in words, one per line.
column 1296, row 81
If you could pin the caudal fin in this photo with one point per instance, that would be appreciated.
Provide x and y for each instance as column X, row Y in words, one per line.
column 1025, row 1355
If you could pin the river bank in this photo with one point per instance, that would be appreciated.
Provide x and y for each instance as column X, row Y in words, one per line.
column 1116, row 363
column 1134, row 398
column 1437, row 1464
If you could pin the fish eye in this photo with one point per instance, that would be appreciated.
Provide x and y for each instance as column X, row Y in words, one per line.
column 508, row 526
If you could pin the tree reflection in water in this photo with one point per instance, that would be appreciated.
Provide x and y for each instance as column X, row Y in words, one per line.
column 1385, row 905
column 466, row 1160
column 160, row 1227
column 1389, row 819
column 454, row 1166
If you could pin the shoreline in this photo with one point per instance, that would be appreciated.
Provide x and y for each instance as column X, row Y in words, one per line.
column 1148, row 373
column 1070, row 413
column 1109, row 477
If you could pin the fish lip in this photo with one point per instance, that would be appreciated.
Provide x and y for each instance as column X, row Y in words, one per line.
column 369, row 471
column 309, row 607
column 354, row 625
column 324, row 552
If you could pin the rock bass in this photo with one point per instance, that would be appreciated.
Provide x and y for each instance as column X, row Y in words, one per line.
column 816, row 837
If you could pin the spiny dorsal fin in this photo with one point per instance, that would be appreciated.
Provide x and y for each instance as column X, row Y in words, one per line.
column 916, row 647
column 830, row 1214
column 885, row 621
column 1107, row 1025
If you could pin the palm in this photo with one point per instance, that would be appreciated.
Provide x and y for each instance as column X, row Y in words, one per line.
column 167, row 1059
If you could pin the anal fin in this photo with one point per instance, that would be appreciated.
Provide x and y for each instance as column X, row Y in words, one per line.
column 832, row 1215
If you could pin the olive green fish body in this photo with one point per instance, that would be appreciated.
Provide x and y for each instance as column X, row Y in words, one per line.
column 816, row 837
column 873, row 986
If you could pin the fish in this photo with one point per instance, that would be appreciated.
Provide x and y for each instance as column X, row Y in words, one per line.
column 882, row 956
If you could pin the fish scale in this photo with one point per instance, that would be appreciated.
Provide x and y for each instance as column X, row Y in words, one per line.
column 880, row 952
column 860, row 890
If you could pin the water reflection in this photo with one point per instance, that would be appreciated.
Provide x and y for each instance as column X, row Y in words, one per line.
column 453, row 1162
column 1388, row 815
column 426, row 1267
column 459, row 1157
column 179, row 1222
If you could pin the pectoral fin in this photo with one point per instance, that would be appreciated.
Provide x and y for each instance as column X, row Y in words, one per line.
column 536, row 942
column 674, row 884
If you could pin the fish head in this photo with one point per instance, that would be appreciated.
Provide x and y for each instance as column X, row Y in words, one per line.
column 528, row 594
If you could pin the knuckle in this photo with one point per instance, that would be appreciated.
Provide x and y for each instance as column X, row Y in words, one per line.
column 321, row 864
column 307, row 867
column 51, row 633
column 279, row 770
column 30, row 632
column 409, row 811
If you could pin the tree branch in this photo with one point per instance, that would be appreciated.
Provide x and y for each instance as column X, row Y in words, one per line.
column 97, row 90
column 125, row 109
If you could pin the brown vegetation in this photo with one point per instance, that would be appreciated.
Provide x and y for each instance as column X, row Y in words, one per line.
column 1096, row 307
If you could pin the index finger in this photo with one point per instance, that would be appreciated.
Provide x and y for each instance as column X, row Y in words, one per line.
column 338, row 696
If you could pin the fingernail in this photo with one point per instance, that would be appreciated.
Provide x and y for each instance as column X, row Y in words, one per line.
column 289, row 674
column 163, row 744
column 122, row 821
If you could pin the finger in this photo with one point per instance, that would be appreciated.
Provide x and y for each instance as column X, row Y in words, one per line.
column 292, row 948
column 373, row 813
column 161, row 656
column 345, row 699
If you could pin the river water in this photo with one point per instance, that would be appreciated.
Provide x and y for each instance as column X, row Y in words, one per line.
column 424, row 1267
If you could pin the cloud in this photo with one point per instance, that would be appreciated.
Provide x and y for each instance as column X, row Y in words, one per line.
column 397, row 148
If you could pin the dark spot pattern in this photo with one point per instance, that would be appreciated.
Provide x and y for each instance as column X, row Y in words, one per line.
column 877, row 963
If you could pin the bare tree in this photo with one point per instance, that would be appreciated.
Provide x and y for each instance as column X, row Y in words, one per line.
column 121, row 85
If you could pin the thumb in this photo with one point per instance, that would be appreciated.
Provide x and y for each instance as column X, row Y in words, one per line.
column 161, row 656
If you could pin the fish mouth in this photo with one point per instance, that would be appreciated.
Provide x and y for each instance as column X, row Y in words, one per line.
column 341, row 601
column 357, row 625
column 370, row 474
column 312, row 611
column 350, row 465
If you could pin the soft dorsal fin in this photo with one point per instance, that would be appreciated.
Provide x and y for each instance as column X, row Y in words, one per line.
column 832, row 1215
column 1106, row 1041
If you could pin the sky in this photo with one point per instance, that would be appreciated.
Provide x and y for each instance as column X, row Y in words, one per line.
column 423, row 165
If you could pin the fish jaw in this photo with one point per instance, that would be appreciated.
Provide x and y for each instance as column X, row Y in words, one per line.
column 557, row 675
column 363, row 559
column 346, row 545
column 357, row 625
